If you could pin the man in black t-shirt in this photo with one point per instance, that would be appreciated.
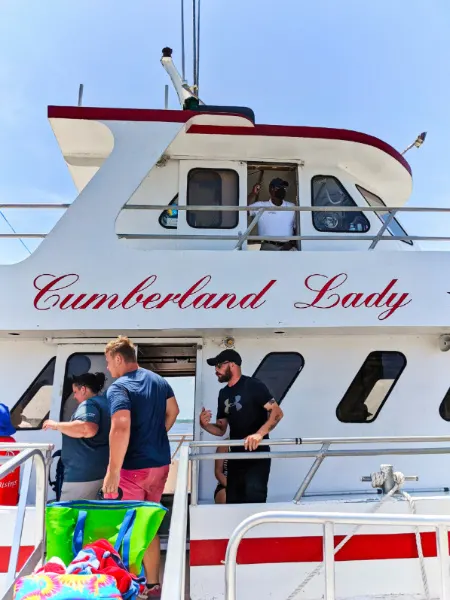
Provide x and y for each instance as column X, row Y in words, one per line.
column 247, row 406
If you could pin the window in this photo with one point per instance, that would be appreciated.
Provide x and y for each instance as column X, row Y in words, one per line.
column 371, row 387
column 169, row 217
column 372, row 200
column 279, row 370
column 444, row 409
column 211, row 187
column 328, row 191
column 33, row 407
column 77, row 364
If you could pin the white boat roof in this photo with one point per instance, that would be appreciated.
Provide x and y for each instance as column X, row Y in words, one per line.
column 86, row 141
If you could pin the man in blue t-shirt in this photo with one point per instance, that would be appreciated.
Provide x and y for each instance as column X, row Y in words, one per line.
column 143, row 409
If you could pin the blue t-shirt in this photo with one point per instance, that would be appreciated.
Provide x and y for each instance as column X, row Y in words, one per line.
column 86, row 459
column 145, row 395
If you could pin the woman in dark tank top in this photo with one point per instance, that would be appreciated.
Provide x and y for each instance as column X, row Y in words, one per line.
column 221, row 471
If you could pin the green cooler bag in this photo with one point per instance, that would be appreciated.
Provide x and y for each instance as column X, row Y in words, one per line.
column 129, row 526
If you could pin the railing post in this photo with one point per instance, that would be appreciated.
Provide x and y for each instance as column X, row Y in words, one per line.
column 18, row 527
column 328, row 559
column 175, row 568
column 310, row 475
column 442, row 544
column 194, row 476
column 253, row 223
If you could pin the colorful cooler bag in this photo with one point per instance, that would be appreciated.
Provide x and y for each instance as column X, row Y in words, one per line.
column 50, row 586
column 128, row 525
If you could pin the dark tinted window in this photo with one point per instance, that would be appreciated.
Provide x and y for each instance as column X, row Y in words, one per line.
column 33, row 407
column 210, row 187
column 394, row 227
column 279, row 370
column 169, row 217
column 77, row 364
column 371, row 387
column 444, row 409
column 329, row 191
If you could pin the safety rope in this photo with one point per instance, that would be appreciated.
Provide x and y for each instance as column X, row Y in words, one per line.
column 378, row 480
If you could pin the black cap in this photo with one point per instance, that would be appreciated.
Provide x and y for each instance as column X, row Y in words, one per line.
column 225, row 356
column 278, row 183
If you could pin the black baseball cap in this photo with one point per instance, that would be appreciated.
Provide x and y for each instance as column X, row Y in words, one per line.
column 225, row 356
column 278, row 183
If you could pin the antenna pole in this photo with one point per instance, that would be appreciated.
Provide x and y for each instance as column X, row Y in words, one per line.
column 198, row 48
column 183, row 64
column 80, row 94
column 166, row 97
column 194, row 38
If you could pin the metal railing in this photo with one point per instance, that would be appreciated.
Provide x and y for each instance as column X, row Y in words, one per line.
column 328, row 522
column 241, row 238
column 319, row 455
column 39, row 456
column 175, row 566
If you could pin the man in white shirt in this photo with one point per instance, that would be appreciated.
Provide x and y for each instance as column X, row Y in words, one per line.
column 274, row 223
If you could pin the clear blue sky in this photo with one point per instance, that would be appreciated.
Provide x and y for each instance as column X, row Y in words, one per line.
column 377, row 66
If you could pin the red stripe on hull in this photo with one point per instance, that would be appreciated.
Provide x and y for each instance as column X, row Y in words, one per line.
column 309, row 549
column 5, row 552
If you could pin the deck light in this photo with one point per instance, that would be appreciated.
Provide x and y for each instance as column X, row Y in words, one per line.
column 417, row 143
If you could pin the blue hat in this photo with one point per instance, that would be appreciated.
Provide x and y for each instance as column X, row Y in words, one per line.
column 6, row 427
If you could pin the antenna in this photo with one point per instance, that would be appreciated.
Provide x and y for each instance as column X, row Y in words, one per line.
column 166, row 97
column 183, row 63
column 417, row 142
column 80, row 94
column 186, row 96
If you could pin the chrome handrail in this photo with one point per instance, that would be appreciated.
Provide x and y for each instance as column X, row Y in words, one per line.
column 175, row 565
column 319, row 455
column 39, row 456
column 328, row 521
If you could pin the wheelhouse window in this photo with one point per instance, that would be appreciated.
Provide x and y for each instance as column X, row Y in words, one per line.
column 278, row 371
column 212, row 187
column 444, row 408
column 329, row 191
column 169, row 217
column 33, row 407
column 394, row 227
column 371, row 387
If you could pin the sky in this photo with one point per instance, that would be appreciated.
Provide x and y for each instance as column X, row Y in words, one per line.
column 380, row 67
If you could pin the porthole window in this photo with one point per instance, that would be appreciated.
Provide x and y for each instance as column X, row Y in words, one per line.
column 77, row 364
column 444, row 408
column 33, row 407
column 212, row 187
column 329, row 191
column 371, row 387
column 278, row 371
column 169, row 217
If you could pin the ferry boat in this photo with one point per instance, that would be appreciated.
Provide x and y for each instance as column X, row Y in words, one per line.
column 350, row 333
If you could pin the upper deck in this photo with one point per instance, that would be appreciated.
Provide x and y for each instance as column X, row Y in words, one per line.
column 172, row 187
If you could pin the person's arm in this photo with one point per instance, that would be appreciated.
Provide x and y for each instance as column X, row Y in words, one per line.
column 218, row 467
column 74, row 429
column 253, row 196
column 172, row 412
column 218, row 428
column 275, row 414
column 119, row 437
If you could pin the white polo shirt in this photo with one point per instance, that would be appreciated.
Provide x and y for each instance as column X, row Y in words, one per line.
column 274, row 222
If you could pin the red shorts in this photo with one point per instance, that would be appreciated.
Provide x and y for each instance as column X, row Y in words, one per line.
column 144, row 484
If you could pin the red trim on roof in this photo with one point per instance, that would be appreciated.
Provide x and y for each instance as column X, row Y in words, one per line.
column 324, row 133
column 88, row 113
column 253, row 551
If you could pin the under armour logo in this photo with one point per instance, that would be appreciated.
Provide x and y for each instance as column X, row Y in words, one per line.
column 236, row 404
